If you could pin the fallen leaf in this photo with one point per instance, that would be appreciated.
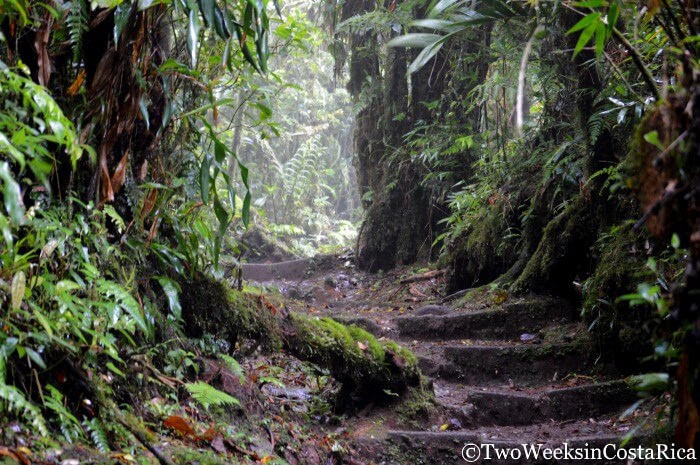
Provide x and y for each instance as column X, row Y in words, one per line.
column 362, row 346
column 444, row 427
column 208, row 435
column 179, row 424
column 414, row 290
column 41, row 44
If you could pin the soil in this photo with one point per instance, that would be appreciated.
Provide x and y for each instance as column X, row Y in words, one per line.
column 503, row 370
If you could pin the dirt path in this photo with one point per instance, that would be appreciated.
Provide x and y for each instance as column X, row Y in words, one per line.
column 504, row 374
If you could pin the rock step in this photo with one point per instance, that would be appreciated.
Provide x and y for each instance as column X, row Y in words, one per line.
column 480, row 447
column 291, row 270
column 475, row 406
column 506, row 322
column 489, row 365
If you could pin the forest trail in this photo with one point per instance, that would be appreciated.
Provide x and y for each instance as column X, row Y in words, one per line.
column 504, row 371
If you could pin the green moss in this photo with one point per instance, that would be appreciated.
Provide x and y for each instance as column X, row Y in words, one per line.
column 209, row 306
column 481, row 254
column 365, row 366
column 418, row 405
column 562, row 251
column 621, row 266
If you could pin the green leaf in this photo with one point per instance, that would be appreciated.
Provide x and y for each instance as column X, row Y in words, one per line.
column 585, row 22
column 600, row 34
column 414, row 39
column 193, row 36
column 650, row 381
column 19, row 282
column 653, row 138
column 584, row 38
column 589, row 4
column 113, row 368
column 206, row 7
column 35, row 357
column 204, row 178
column 172, row 292
column 675, row 241
column 437, row 24
column 13, row 195
column 143, row 106
column 613, row 15
column 220, row 24
column 424, row 56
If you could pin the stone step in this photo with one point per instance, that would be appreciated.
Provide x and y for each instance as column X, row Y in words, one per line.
column 505, row 322
column 505, row 406
column 483, row 447
column 520, row 364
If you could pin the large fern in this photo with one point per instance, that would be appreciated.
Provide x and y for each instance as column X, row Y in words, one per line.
column 206, row 395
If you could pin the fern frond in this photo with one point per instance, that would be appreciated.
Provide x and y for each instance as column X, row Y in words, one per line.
column 97, row 434
column 13, row 400
column 207, row 395
column 77, row 22
column 67, row 423
column 233, row 365
column 596, row 124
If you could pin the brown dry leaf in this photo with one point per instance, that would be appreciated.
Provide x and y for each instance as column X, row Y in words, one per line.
column 143, row 171
column 179, row 424
column 267, row 458
column 208, row 435
column 106, row 192
column 119, row 175
column 15, row 455
column 148, row 203
column 154, row 230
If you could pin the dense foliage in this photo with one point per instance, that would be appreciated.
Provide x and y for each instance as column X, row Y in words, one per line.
column 534, row 146
column 550, row 124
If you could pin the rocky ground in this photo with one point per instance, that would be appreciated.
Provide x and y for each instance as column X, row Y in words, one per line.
column 504, row 371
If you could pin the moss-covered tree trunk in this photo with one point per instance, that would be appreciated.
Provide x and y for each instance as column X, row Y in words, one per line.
column 401, row 211
column 367, row 368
